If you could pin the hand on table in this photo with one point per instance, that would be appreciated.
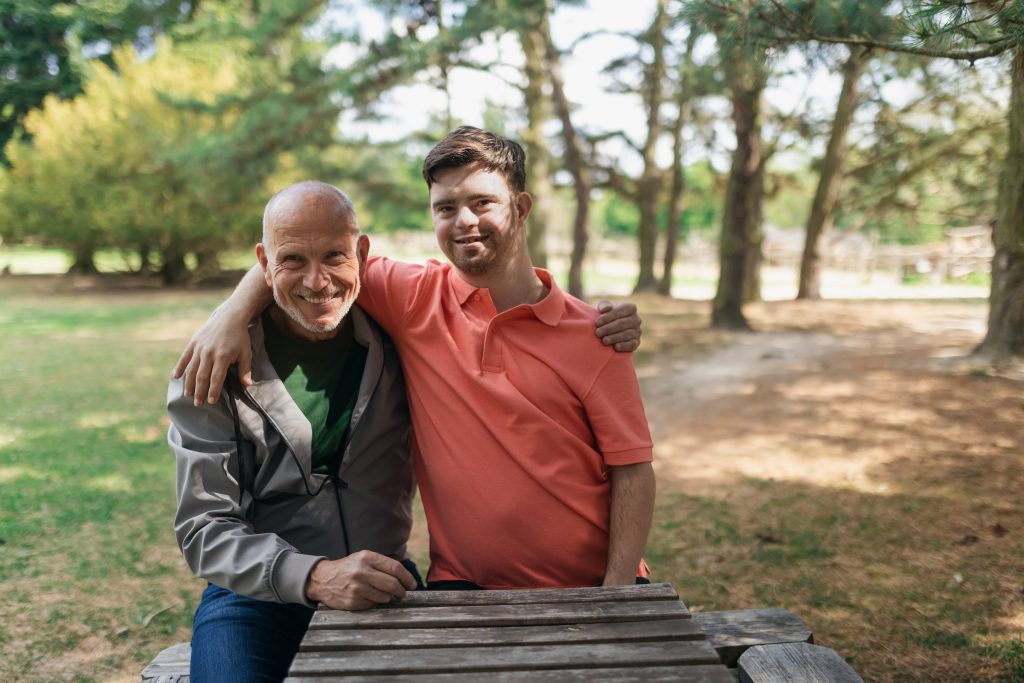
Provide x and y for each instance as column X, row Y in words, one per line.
column 359, row 581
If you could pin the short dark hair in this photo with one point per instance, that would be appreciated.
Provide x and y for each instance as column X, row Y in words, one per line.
column 468, row 145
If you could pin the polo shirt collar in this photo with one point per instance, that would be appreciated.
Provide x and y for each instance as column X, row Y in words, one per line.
column 548, row 310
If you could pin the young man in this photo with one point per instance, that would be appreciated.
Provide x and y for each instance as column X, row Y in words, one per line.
column 532, row 451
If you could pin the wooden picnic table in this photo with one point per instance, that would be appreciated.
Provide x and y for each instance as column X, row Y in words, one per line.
column 625, row 633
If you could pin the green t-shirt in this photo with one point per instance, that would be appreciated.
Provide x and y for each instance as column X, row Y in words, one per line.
column 323, row 379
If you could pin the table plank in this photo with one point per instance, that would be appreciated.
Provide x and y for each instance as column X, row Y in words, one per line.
column 647, row 674
column 654, row 591
column 516, row 658
column 500, row 615
column 389, row 638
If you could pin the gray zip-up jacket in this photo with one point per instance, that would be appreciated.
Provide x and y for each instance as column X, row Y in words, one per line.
column 289, row 517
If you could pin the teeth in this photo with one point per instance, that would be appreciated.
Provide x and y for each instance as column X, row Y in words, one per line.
column 318, row 299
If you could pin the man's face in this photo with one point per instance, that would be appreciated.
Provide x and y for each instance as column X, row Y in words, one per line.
column 313, row 266
column 478, row 220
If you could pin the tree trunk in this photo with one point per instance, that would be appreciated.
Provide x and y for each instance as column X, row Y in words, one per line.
column 649, row 186
column 755, row 238
column 173, row 271
column 145, row 259
column 675, row 201
column 819, row 222
column 1005, row 337
column 84, row 260
column 538, row 156
column 573, row 160
column 745, row 75
column 207, row 263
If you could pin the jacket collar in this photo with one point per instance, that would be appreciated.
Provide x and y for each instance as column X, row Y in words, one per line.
column 269, row 392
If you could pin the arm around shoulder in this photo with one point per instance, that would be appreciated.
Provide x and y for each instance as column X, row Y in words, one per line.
column 223, row 340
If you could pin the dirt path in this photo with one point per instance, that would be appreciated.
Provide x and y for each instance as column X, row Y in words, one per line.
column 847, row 464
column 694, row 403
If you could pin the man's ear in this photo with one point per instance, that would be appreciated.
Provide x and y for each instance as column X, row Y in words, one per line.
column 264, row 259
column 524, row 203
column 363, row 252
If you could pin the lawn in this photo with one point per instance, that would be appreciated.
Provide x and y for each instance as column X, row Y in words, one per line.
column 911, row 570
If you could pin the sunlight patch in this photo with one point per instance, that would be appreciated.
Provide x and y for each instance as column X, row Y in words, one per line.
column 149, row 434
column 14, row 472
column 99, row 420
column 109, row 482
column 8, row 436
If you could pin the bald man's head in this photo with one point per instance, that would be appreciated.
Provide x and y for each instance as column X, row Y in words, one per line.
column 308, row 197
column 312, row 255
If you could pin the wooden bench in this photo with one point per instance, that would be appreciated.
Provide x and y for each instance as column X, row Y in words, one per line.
column 794, row 663
column 732, row 632
column 170, row 666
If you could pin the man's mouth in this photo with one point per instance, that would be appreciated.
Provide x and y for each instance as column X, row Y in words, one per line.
column 317, row 298
column 470, row 239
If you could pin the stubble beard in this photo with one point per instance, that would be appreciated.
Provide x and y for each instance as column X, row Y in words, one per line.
column 293, row 312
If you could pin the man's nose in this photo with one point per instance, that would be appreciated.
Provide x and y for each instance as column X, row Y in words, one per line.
column 315, row 278
column 465, row 218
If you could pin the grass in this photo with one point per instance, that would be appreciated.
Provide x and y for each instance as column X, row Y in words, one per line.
column 92, row 585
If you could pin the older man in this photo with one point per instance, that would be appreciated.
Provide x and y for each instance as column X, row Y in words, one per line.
column 296, row 490
column 533, row 452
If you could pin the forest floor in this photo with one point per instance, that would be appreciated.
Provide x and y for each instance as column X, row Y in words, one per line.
column 846, row 462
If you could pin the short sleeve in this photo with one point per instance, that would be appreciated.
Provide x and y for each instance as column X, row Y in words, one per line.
column 387, row 290
column 616, row 413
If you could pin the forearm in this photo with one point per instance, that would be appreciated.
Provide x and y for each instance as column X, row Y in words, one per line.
column 632, row 508
column 250, row 297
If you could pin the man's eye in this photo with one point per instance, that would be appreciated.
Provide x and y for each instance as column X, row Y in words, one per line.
column 291, row 258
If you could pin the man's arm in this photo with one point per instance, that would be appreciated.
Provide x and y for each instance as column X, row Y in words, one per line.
column 632, row 509
column 223, row 340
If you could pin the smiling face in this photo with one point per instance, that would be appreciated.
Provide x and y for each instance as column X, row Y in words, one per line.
column 478, row 219
column 313, row 260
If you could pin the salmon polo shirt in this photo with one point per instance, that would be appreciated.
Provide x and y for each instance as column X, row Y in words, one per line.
column 516, row 417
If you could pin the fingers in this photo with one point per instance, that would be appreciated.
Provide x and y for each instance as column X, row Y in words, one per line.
column 359, row 581
column 217, row 375
column 245, row 367
column 611, row 312
column 183, row 360
column 395, row 569
column 190, row 376
column 628, row 346
column 202, row 377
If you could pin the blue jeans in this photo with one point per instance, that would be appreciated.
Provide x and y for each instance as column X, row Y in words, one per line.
column 237, row 639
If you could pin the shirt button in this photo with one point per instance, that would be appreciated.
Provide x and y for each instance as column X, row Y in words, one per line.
column 476, row 297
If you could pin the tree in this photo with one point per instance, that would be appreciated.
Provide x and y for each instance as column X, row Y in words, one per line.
column 687, row 90
column 42, row 41
column 819, row 221
column 103, row 168
column 968, row 31
column 746, row 76
column 572, row 157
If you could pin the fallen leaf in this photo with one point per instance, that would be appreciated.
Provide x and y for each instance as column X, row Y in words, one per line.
column 767, row 537
column 999, row 530
column 969, row 539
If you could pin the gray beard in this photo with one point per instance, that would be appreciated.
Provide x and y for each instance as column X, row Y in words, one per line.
column 316, row 328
